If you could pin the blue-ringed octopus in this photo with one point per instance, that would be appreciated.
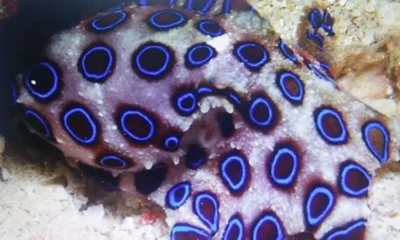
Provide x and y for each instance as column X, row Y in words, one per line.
column 200, row 108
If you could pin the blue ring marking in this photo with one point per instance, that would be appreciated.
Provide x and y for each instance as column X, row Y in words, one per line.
column 319, row 74
column 172, row 200
column 289, row 180
column 226, row 7
column 281, row 79
column 252, row 66
column 191, row 63
column 264, row 219
column 234, row 222
column 343, row 185
column 50, row 93
column 268, row 105
column 122, row 162
column 287, row 52
column 180, row 22
column 212, row 224
column 316, row 220
column 325, row 66
column 204, row 91
column 31, row 113
column 89, row 118
column 327, row 23
column 186, row 111
column 123, row 17
column 232, row 96
column 342, row 139
column 338, row 233
column 367, row 127
column 202, row 27
column 131, row 135
column 316, row 38
column 183, row 228
column 163, row 69
column 174, row 140
column 315, row 18
column 93, row 76
column 142, row 3
column 233, row 156
column 206, row 8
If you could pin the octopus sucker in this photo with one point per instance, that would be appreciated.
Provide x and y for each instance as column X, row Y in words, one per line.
column 233, row 132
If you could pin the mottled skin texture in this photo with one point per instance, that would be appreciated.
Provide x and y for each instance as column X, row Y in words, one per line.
column 219, row 128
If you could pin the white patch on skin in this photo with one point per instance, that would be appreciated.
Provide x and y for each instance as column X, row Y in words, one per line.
column 221, row 43
column 148, row 165
column 204, row 106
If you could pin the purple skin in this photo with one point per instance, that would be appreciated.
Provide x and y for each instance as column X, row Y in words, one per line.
column 226, row 130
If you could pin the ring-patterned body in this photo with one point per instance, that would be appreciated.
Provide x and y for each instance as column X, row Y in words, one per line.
column 224, row 125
